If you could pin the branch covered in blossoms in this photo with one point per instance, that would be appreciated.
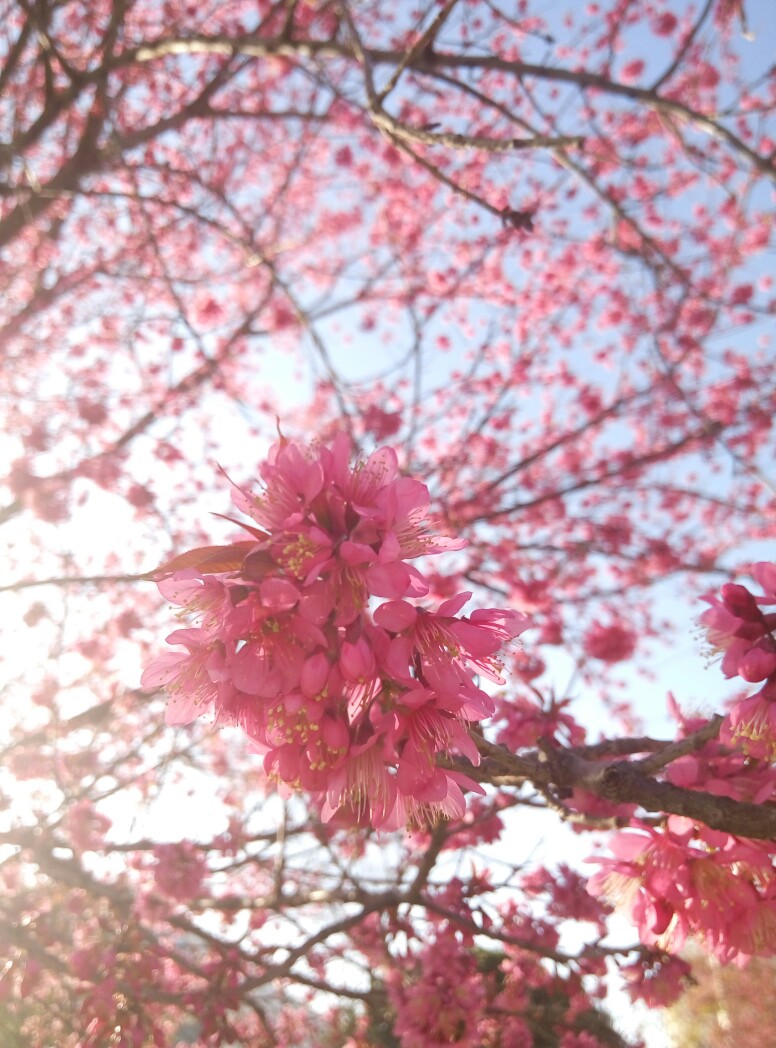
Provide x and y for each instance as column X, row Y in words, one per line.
column 709, row 872
column 310, row 637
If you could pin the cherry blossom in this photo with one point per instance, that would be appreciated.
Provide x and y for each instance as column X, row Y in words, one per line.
column 353, row 708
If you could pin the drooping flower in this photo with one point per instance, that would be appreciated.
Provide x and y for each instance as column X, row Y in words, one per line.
column 193, row 679
column 691, row 881
column 657, row 980
column 737, row 627
column 449, row 648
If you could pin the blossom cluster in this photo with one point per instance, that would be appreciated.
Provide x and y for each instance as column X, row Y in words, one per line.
column 444, row 1004
column 737, row 627
column 685, row 881
column 682, row 879
column 452, row 991
column 349, row 699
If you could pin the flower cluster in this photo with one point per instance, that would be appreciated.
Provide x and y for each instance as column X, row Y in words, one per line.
column 179, row 871
column 687, row 881
column 348, row 704
column 444, row 1003
column 736, row 626
column 656, row 978
column 683, row 879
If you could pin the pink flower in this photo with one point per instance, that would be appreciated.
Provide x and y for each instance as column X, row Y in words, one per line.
column 751, row 723
column 612, row 643
column 276, row 641
column 430, row 730
column 648, row 878
column 658, row 979
column 362, row 786
column 192, row 678
column 292, row 478
column 442, row 1002
column 632, row 71
column 691, row 881
column 449, row 649
column 381, row 423
column 736, row 626
column 664, row 24
column 422, row 802
column 179, row 871
column 86, row 826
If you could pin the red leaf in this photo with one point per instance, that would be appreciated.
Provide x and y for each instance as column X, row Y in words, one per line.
column 209, row 560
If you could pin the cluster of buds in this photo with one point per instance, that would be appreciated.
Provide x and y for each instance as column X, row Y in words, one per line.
column 737, row 626
column 349, row 700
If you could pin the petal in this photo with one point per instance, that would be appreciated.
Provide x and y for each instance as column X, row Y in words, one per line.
column 467, row 783
column 278, row 594
column 314, row 675
column 251, row 670
column 629, row 845
column 765, row 574
column 163, row 670
column 357, row 553
column 379, row 470
column 454, row 604
column 183, row 708
column 396, row 615
column 388, row 580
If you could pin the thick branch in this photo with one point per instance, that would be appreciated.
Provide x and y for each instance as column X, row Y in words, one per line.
column 626, row 782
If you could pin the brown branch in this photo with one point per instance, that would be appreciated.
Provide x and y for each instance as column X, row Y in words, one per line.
column 75, row 580
column 620, row 747
column 428, row 62
column 681, row 747
column 626, row 782
column 664, row 453
column 424, row 43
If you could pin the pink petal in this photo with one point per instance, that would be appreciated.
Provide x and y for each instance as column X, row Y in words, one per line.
column 180, row 590
column 251, row 671
column 629, row 845
column 765, row 574
column 316, row 603
column 388, row 580
column 357, row 553
column 454, row 604
column 417, row 697
column 278, row 594
column 379, row 469
column 163, row 670
column 757, row 664
column 315, row 672
column 183, row 708
column 465, row 782
column 396, row 615
column 417, row 586
column 357, row 660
